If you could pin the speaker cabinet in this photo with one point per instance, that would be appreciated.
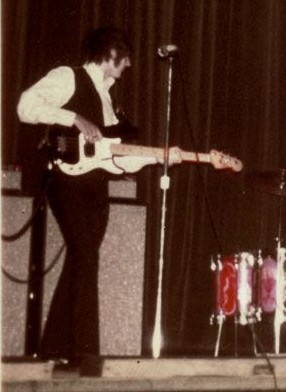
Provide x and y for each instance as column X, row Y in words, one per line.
column 121, row 274
column 121, row 271
column 15, row 260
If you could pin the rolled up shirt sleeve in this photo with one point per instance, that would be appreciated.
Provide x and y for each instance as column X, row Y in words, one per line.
column 42, row 103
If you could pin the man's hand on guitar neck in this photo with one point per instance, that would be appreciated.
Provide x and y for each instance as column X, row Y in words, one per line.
column 91, row 131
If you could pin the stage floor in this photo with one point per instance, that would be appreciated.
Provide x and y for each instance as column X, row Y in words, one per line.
column 142, row 375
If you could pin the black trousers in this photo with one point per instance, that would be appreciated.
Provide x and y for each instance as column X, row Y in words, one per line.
column 80, row 206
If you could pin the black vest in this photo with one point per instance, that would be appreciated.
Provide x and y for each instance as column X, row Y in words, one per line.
column 86, row 100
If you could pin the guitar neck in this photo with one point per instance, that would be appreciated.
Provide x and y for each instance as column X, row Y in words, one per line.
column 156, row 152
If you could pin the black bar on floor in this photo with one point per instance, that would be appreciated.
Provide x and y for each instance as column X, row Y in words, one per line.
column 35, row 285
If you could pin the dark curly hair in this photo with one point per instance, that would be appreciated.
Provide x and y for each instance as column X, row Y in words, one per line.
column 97, row 44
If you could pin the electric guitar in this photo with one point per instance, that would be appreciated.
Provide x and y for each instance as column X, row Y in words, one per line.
column 102, row 155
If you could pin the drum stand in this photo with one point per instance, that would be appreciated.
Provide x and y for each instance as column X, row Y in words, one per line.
column 280, row 311
column 220, row 319
column 274, row 183
column 247, row 316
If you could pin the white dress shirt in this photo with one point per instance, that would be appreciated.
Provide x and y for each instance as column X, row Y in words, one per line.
column 42, row 103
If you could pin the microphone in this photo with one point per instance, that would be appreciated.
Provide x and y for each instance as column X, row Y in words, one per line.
column 167, row 50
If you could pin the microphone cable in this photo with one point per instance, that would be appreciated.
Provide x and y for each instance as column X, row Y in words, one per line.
column 25, row 227
column 21, row 232
column 43, row 274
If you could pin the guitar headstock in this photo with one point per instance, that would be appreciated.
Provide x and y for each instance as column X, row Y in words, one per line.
column 222, row 161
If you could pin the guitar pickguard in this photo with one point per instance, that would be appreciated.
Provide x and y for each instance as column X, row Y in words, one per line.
column 91, row 157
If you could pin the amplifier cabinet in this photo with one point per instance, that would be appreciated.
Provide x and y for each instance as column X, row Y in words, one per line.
column 121, row 272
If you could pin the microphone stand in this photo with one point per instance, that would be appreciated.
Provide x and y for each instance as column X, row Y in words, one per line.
column 164, row 185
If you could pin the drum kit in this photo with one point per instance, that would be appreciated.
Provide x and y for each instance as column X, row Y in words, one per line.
column 251, row 285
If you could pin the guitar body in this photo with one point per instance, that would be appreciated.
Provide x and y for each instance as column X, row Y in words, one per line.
column 74, row 156
column 64, row 144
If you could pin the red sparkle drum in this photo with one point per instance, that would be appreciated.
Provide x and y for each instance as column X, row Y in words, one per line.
column 235, row 286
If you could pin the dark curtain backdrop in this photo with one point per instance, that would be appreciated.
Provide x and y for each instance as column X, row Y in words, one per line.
column 228, row 93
